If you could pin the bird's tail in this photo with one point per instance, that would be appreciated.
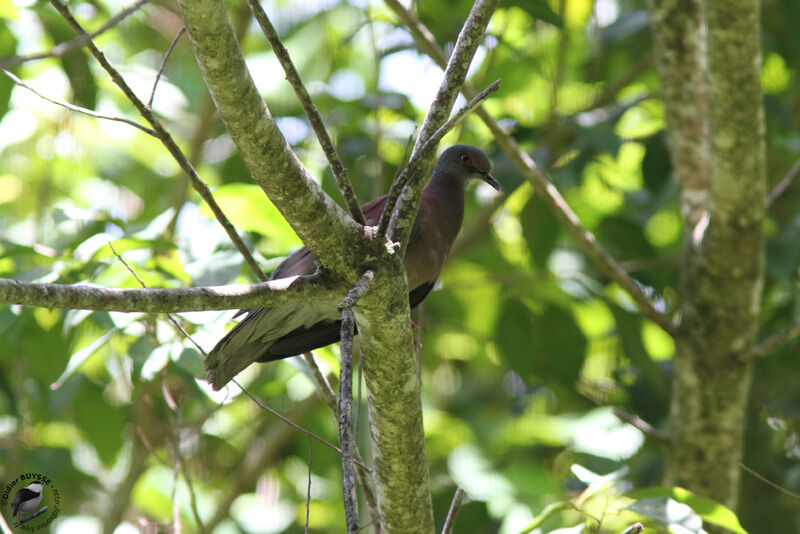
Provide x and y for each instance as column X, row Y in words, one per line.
column 289, row 330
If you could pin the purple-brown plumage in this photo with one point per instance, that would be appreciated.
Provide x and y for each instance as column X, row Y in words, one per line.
column 268, row 334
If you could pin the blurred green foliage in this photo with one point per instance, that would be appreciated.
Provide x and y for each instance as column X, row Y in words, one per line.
column 526, row 344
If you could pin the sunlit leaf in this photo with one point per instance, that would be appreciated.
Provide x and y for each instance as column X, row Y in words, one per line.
column 249, row 209
column 708, row 509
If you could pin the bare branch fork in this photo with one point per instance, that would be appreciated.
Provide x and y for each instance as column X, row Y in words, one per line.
column 455, row 72
column 550, row 195
column 416, row 164
column 165, row 138
column 337, row 167
column 346, row 439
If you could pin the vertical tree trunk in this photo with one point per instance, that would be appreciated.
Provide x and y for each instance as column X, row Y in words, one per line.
column 716, row 136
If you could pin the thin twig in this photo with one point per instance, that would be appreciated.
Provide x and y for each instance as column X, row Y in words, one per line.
column 773, row 342
column 38, row 512
column 308, row 487
column 170, row 317
column 418, row 158
column 192, row 496
column 164, row 64
column 79, row 109
column 68, row 46
column 176, row 514
column 295, row 425
column 635, row 528
column 337, row 167
column 540, row 183
column 646, row 428
column 181, row 464
column 767, row 481
column 784, row 184
column 323, row 386
column 450, row 522
column 166, row 139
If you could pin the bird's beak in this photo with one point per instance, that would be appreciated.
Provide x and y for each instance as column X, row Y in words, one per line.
column 489, row 179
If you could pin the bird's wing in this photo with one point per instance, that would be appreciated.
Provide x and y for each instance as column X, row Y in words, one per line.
column 251, row 339
column 267, row 334
column 21, row 497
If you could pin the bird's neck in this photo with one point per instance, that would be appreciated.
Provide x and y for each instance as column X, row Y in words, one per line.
column 445, row 194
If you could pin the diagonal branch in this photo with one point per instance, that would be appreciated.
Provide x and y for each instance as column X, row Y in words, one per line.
column 450, row 522
column 79, row 109
column 166, row 139
column 540, row 183
column 337, row 168
column 455, row 72
column 325, row 228
column 775, row 341
column 62, row 49
column 419, row 159
column 86, row 297
column 164, row 64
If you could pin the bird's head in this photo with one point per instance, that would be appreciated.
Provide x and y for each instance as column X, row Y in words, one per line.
column 466, row 162
column 35, row 486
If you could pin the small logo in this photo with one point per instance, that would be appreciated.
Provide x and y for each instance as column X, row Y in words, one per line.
column 33, row 502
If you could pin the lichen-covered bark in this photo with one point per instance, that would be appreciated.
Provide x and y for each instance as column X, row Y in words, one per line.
column 86, row 297
column 395, row 408
column 680, row 45
column 717, row 146
column 321, row 224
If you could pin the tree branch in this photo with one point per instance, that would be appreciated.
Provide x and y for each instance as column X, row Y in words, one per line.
column 364, row 476
column 644, row 427
column 346, row 439
column 450, row 522
column 87, row 297
column 337, row 168
column 783, row 185
column 773, row 342
column 166, row 140
column 711, row 48
column 79, row 109
column 164, row 64
column 292, row 423
column 455, row 72
column 540, row 183
column 64, row 48
column 321, row 224
column 419, row 159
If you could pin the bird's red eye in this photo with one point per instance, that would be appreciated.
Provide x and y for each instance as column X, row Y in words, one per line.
column 466, row 159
